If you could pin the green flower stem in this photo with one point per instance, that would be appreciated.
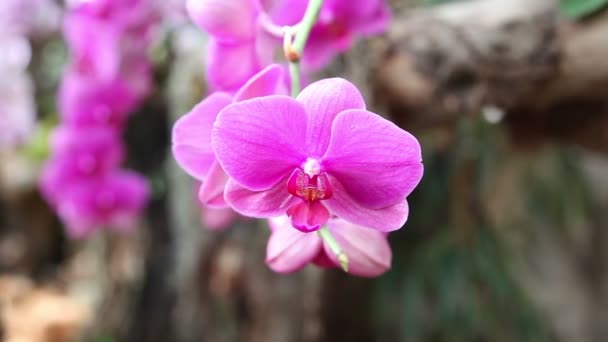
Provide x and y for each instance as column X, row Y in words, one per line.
column 294, row 53
column 294, row 71
column 310, row 18
column 329, row 239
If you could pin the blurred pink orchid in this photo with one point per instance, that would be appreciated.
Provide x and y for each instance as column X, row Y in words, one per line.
column 244, row 34
column 77, row 155
column 108, row 76
column 226, row 20
column 114, row 201
column 82, row 182
column 238, row 48
column 86, row 102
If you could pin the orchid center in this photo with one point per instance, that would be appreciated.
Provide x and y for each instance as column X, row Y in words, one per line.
column 309, row 183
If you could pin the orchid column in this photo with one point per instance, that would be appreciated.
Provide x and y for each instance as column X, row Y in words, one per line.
column 108, row 75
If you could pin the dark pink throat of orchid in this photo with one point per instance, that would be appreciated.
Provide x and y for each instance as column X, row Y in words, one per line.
column 309, row 183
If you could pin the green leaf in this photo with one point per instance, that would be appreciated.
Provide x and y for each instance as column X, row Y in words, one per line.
column 580, row 8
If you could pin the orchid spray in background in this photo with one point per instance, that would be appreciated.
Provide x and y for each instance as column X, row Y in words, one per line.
column 331, row 176
column 245, row 34
column 108, row 75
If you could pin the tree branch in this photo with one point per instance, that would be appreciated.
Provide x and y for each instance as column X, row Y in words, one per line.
column 548, row 75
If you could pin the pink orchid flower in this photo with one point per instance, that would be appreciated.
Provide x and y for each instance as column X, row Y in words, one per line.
column 108, row 76
column 316, row 156
column 288, row 250
column 238, row 47
column 192, row 133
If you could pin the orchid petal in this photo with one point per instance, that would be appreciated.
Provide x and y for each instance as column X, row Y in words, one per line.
column 211, row 192
column 192, row 135
column 269, row 81
column 378, row 163
column 287, row 12
column 230, row 20
column 369, row 253
column 289, row 249
column 321, row 49
column 260, row 204
column 259, row 141
column 376, row 21
column 323, row 101
column 384, row 219
column 361, row 16
column 230, row 65
column 308, row 216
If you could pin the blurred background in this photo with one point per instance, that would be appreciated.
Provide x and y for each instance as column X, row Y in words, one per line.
column 506, row 240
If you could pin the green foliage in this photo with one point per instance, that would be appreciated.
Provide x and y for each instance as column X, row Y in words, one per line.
column 464, row 292
column 559, row 198
column 580, row 8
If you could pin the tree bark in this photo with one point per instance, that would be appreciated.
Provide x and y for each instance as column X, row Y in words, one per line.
column 538, row 70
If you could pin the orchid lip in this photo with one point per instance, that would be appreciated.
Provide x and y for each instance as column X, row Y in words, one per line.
column 306, row 229
column 308, row 216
